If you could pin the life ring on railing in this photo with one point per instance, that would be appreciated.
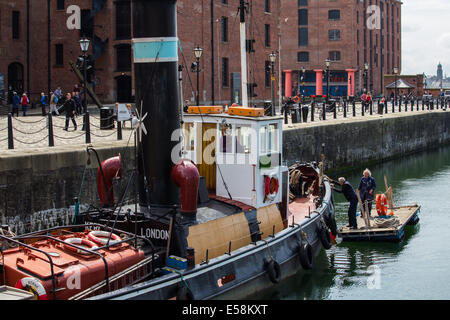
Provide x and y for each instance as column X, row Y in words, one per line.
column 296, row 99
column 274, row 270
column 79, row 241
column 381, row 202
column 306, row 255
column 271, row 187
column 32, row 285
column 101, row 237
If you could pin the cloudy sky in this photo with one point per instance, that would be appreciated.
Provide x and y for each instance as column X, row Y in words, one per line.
column 425, row 36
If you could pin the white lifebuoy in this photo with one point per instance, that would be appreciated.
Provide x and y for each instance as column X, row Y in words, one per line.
column 101, row 237
column 79, row 241
column 32, row 285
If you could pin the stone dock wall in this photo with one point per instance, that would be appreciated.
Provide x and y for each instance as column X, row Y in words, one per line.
column 355, row 143
column 37, row 187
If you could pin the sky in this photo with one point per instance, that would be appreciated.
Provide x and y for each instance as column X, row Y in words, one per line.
column 425, row 36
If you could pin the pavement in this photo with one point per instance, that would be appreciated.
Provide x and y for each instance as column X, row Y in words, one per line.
column 31, row 132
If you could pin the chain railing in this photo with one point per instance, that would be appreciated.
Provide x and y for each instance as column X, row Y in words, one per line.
column 30, row 132
column 318, row 109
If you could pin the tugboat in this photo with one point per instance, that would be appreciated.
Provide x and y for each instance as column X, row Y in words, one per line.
column 220, row 215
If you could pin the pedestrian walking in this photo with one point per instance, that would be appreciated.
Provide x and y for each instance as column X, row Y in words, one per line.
column 58, row 93
column 77, row 99
column 366, row 189
column 69, row 106
column 53, row 102
column 76, row 88
column 43, row 101
column 15, row 104
column 24, row 101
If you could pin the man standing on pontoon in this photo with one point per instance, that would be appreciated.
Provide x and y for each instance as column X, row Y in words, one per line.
column 366, row 189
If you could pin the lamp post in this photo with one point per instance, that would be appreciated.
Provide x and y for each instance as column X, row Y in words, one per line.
column 366, row 73
column 84, row 45
column 395, row 83
column 198, row 54
column 302, row 91
column 327, row 63
column 273, row 58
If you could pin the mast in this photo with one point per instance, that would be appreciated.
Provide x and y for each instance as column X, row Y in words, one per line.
column 155, row 54
column 242, row 9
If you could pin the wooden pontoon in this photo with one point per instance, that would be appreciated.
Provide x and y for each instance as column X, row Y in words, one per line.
column 382, row 229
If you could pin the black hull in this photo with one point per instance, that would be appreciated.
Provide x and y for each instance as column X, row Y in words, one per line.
column 246, row 267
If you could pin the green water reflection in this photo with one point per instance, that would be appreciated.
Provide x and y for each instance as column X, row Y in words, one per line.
column 415, row 268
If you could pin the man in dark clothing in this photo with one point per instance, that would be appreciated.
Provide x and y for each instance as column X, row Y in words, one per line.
column 366, row 189
column 69, row 106
column 350, row 195
column 15, row 103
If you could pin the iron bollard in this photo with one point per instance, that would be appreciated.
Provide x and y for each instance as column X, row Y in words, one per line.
column 87, row 127
column 354, row 108
column 363, row 106
column 285, row 114
column 385, row 107
column 412, row 105
column 51, row 140
column 423, row 104
column 10, row 132
column 345, row 109
column 393, row 107
column 119, row 130
column 312, row 111
column 417, row 102
column 334, row 111
column 371, row 107
column 324, row 111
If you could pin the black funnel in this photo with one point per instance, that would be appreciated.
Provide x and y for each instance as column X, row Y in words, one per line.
column 155, row 54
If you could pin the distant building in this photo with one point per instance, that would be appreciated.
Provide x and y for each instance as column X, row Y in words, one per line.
column 345, row 32
column 407, row 85
column 440, row 73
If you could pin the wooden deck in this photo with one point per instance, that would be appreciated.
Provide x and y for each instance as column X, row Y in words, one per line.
column 405, row 214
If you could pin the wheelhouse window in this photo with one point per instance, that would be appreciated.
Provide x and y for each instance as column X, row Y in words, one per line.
column 262, row 140
column 273, row 137
column 226, row 142
column 189, row 135
column 243, row 139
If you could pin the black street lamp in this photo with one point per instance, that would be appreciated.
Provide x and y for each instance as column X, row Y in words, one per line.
column 84, row 45
column 302, row 91
column 366, row 76
column 273, row 58
column 198, row 54
column 395, row 82
column 327, row 63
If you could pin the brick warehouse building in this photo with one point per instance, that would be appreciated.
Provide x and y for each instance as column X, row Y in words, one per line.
column 314, row 30
column 36, row 45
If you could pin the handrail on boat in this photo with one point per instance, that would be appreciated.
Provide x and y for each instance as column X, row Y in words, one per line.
column 37, row 234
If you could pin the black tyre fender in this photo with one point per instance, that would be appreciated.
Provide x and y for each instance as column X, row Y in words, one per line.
column 184, row 293
column 306, row 255
column 274, row 270
column 325, row 238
